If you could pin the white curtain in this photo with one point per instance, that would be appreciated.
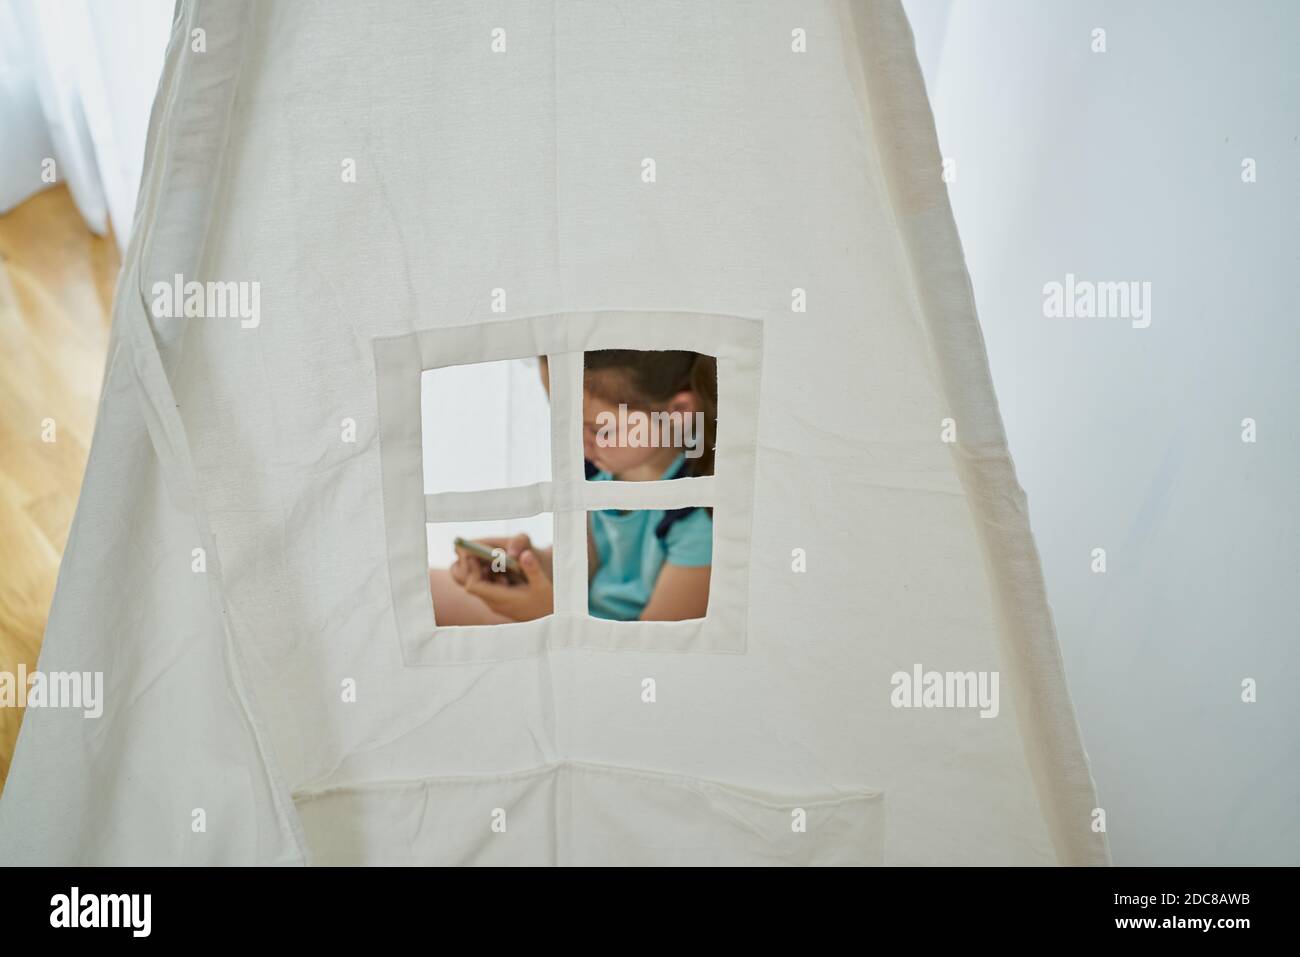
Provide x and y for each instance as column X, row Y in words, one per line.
column 76, row 85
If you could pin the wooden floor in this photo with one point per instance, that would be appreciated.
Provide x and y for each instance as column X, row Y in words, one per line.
column 56, row 289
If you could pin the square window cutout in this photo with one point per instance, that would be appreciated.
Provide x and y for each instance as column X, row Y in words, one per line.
column 492, row 572
column 648, row 414
column 649, row 564
column 485, row 425
column 494, row 429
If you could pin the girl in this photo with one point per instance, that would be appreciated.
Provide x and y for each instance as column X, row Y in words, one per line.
column 646, row 564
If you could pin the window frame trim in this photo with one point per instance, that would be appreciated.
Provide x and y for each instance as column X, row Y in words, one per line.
column 400, row 360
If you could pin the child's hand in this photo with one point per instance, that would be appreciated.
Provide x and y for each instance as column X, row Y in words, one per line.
column 520, row 602
column 468, row 565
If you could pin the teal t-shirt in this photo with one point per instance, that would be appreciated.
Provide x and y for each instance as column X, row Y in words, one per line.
column 632, row 555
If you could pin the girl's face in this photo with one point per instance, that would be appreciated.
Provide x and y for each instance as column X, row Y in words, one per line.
column 618, row 457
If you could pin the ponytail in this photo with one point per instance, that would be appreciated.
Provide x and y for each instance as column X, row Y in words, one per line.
column 704, row 383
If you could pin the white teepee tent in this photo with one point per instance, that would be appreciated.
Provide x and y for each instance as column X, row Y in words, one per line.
column 398, row 187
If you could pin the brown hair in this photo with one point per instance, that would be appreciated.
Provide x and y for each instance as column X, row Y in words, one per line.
column 649, row 377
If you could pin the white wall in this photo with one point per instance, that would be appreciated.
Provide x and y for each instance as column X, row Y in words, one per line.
column 1126, row 165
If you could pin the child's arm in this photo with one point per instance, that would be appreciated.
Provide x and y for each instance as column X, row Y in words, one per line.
column 680, row 593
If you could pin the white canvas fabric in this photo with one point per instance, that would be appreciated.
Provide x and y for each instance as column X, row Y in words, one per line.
column 772, row 738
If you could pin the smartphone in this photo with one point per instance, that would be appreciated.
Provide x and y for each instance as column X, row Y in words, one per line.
column 514, row 572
